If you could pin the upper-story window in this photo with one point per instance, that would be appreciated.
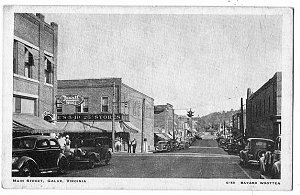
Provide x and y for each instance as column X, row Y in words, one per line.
column 15, row 57
column 48, row 70
column 28, row 62
column 23, row 105
column 104, row 104
column 84, row 107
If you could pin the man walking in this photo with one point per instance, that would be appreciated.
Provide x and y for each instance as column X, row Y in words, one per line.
column 133, row 143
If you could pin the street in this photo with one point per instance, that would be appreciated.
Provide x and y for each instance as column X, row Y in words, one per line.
column 204, row 159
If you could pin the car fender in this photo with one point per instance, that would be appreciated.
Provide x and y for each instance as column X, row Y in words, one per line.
column 95, row 154
column 24, row 159
column 262, row 165
column 276, row 170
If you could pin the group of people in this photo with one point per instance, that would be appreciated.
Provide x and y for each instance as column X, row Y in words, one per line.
column 131, row 145
column 64, row 142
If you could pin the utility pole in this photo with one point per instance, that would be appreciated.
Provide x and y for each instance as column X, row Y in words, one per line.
column 143, row 121
column 224, row 129
column 113, row 118
column 242, row 119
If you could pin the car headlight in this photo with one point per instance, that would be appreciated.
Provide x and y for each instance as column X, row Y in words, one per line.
column 14, row 159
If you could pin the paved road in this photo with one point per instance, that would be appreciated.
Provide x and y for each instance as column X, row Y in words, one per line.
column 202, row 160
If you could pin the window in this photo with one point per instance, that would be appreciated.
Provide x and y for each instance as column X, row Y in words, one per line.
column 53, row 143
column 58, row 107
column 42, row 144
column 269, row 104
column 104, row 104
column 23, row 105
column 84, row 107
column 15, row 57
column 48, row 70
column 28, row 63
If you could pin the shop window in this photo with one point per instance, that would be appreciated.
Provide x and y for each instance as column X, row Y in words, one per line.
column 104, row 104
column 48, row 70
column 28, row 63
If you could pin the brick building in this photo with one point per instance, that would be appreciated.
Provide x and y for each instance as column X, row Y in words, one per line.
column 163, row 122
column 263, row 109
column 34, row 72
column 133, row 110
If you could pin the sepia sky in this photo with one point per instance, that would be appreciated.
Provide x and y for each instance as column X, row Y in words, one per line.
column 203, row 62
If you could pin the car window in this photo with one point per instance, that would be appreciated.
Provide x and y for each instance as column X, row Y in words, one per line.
column 23, row 143
column 42, row 143
column 53, row 143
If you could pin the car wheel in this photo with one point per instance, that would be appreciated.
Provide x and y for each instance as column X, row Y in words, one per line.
column 91, row 162
column 107, row 158
column 27, row 170
column 63, row 165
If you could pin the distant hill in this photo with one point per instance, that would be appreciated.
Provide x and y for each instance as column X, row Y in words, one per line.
column 211, row 122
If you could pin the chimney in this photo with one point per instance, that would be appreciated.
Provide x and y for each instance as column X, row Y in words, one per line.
column 248, row 93
column 40, row 16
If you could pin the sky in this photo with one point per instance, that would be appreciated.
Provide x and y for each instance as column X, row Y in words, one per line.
column 203, row 62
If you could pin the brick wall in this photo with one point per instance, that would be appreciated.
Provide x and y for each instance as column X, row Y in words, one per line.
column 263, row 109
column 30, row 31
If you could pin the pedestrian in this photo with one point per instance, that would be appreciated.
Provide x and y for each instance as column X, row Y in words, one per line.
column 129, row 145
column 68, row 144
column 133, row 143
column 62, row 143
column 118, row 145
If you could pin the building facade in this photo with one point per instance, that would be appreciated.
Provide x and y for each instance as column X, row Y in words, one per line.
column 263, row 109
column 34, row 69
column 164, row 124
column 133, row 110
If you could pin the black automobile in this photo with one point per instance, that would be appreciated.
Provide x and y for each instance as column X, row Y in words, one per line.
column 270, row 162
column 254, row 150
column 36, row 154
column 91, row 151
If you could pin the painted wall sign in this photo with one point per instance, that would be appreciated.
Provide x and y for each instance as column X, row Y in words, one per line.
column 75, row 100
column 91, row 117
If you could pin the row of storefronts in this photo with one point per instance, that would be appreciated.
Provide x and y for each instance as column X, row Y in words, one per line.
column 87, row 107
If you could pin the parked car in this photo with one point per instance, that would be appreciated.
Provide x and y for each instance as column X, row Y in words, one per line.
column 235, row 146
column 270, row 162
column 254, row 150
column 36, row 154
column 163, row 146
column 91, row 151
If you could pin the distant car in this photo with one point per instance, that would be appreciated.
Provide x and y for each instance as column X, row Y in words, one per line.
column 163, row 146
column 270, row 162
column 36, row 154
column 91, row 151
column 254, row 150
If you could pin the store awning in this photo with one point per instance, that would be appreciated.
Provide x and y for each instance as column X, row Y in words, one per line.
column 33, row 124
column 92, row 127
column 129, row 127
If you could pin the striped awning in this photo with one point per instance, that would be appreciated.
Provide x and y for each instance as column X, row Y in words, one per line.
column 33, row 124
column 129, row 127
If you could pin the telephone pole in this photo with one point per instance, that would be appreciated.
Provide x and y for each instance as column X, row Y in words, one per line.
column 242, row 119
column 143, row 121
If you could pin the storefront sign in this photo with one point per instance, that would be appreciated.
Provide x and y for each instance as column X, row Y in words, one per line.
column 91, row 117
column 75, row 100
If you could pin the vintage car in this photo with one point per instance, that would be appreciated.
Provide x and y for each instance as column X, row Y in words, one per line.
column 90, row 151
column 163, row 146
column 270, row 163
column 254, row 150
column 235, row 146
column 36, row 154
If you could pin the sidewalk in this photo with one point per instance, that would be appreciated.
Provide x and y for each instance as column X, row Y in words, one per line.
column 121, row 153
